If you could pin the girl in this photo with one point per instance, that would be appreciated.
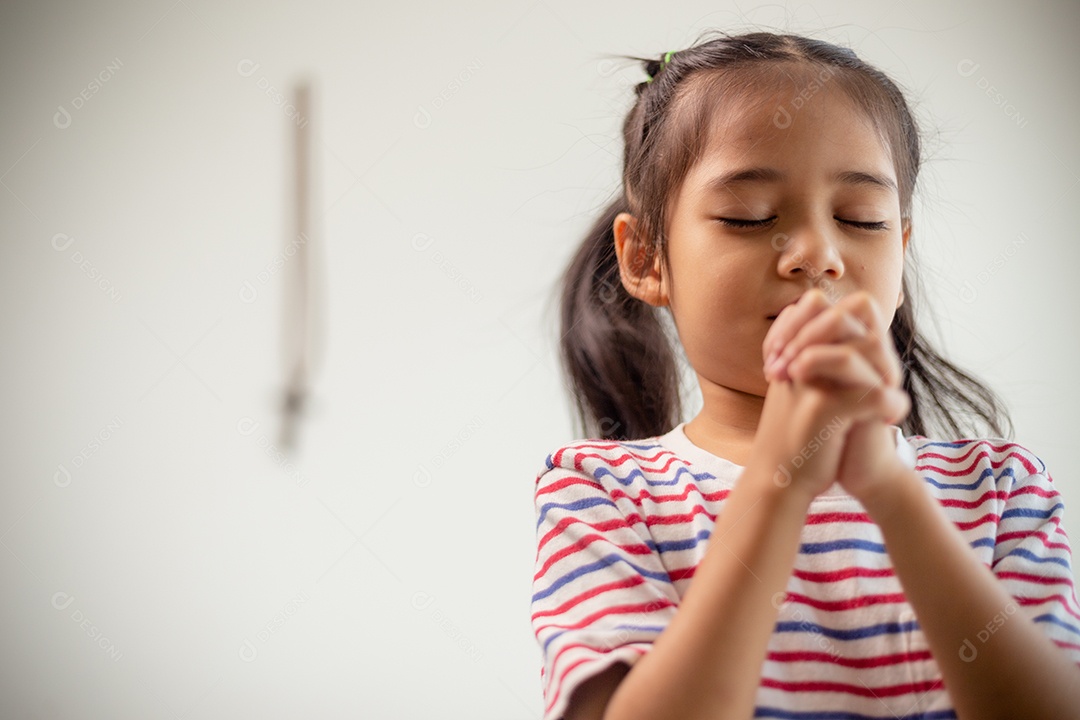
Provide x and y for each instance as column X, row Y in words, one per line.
column 800, row 548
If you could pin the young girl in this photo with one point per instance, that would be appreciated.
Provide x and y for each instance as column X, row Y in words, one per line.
column 801, row 548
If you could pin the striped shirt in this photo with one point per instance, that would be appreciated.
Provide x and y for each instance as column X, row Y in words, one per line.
column 621, row 526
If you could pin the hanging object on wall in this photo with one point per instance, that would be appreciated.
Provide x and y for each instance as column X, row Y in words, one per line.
column 302, row 297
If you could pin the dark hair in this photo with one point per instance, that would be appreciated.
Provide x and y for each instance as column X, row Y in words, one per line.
column 620, row 364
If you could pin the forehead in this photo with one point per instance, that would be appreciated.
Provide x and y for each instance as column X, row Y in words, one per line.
column 802, row 118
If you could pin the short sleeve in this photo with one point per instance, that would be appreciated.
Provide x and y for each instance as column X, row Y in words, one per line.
column 600, row 592
column 1033, row 559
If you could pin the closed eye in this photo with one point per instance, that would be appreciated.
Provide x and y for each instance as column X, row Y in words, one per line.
column 866, row 225
column 741, row 223
column 737, row 223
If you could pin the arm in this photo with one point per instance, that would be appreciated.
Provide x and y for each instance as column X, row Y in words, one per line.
column 1017, row 671
column 707, row 662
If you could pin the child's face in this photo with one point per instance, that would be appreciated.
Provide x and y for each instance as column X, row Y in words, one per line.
column 725, row 281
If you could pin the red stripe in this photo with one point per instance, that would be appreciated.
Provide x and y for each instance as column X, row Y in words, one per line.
column 566, row 482
column 638, row 549
column 854, row 662
column 1026, row 577
column 717, row 496
column 1035, row 490
column 1053, row 519
column 678, row 519
column 967, row 470
column 862, row 690
column 1046, row 541
column 988, row 495
column 987, row 518
column 627, row 582
column 639, row 460
column 811, row 576
column 842, row 574
column 1050, row 598
column 568, row 521
column 832, row 517
column 1019, row 453
column 624, row 456
column 644, row 608
column 846, row 604
column 1062, row 643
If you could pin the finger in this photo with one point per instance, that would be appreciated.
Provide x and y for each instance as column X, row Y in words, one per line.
column 881, row 356
column 877, row 344
column 864, row 309
column 790, row 319
column 840, row 367
column 852, row 380
column 854, row 319
column 832, row 325
column 860, row 308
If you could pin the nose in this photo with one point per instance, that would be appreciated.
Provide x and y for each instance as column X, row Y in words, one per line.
column 810, row 250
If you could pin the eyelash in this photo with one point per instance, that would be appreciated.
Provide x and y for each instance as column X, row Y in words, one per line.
column 736, row 223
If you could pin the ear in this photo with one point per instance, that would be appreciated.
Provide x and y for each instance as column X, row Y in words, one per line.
column 905, row 236
column 646, row 285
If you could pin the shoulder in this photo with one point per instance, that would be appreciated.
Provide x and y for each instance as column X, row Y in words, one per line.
column 966, row 463
column 609, row 464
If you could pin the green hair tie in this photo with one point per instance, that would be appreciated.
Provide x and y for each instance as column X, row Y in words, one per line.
column 663, row 64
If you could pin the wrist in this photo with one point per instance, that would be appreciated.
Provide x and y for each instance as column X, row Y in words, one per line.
column 884, row 497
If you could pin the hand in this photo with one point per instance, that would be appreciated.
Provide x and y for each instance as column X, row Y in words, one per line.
column 845, row 351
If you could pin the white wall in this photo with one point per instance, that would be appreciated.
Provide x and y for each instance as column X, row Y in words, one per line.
column 365, row 589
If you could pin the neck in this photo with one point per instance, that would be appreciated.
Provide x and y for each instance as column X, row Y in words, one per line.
column 727, row 422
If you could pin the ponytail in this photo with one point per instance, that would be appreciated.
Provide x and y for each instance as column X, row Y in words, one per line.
column 944, row 398
column 618, row 359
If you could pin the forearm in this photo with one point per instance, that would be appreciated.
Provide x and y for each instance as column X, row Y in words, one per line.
column 707, row 662
column 1017, row 671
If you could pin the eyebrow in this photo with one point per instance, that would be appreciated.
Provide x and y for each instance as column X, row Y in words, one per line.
column 764, row 174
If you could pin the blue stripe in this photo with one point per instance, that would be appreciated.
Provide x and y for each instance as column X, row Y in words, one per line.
column 1035, row 558
column 576, row 505
column 1058, row 621
column 1031, row 512
column 646, row 628
column 636, row 472
column 849, row 544
column 974, row 484
column 643, row 446
column 848, row 634
column 945, row 444
column 600, row 564
column 688, row 543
